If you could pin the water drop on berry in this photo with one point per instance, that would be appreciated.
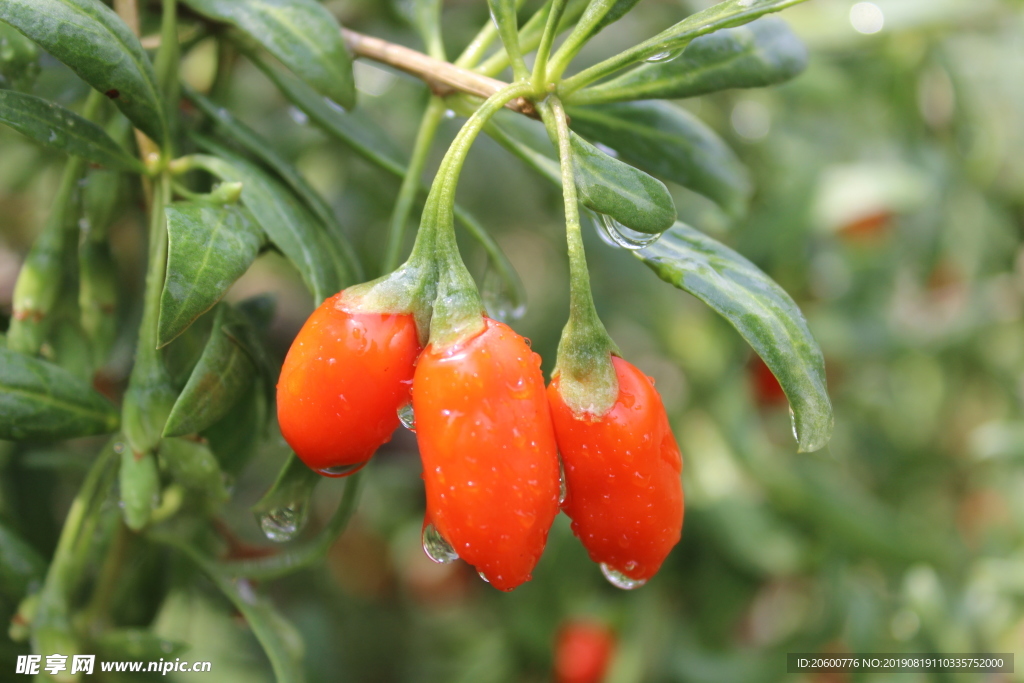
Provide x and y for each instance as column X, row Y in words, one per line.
column 407, row 417
column 436, row 546
column 620, row 580
column 343, row 470
column 563, row 489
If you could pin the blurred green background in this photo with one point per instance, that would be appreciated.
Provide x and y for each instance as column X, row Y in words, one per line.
column 889, row 203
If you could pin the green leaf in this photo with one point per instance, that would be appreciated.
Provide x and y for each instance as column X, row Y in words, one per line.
column 39, row 400
column 279, row 639
column 234, row 438
column 616, row 12
column 671, row 143
column 614, row 189
column 209, row 247
column 761, row 311
column 287, row 223
column 20, row 564
column 355, row 129
column 351, row 268
column 300, row 33
column 222, row 376
column 139, row 481
column 54, row 126
column 194, row 466
column 763, row 53
column 91, row 39
column 674, row 39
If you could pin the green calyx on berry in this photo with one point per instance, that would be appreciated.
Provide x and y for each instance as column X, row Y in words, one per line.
column 587, row 379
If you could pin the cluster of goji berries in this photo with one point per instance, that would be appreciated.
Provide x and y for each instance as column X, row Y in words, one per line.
column 490, row 436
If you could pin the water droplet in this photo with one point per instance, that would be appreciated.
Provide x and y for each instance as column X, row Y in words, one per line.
column 449, row 113
column 618, row 235
column 436, row 546
column 407, row 417
column 504, row 302
column 563, row 490
column 666, row 56
column 481, row 575
column 620, row 580
column 119, row 447
column 284, row 523
column 343, row 470
column 298, row 116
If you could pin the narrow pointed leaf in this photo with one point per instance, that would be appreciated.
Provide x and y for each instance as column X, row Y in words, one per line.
column 287, row 223
column 615, row 12
column 54, row 126
column 761, row 311
column 355, row 129
column 19, row 60
column 253, row 143
column 91, row 39
column 223, row 375
column 671, row 143
column 753, row 56
column 300, row 33
column 279, row 639
column 610, row 187
column 39, row 400
column 209, row 247
column 728, row 14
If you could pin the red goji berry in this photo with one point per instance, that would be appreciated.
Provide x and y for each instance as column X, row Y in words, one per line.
column 343, row 380
column 625, row 496
column 488, row 448
column 582, row 652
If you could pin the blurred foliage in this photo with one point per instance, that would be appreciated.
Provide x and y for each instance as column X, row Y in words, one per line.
column 888, row 201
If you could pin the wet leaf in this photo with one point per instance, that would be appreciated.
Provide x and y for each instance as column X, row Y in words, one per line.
column 300, row 33
column 761, row 311
column 136, row 644
column 39, row 400
column 349, row 266
column 762, row 53
column 610, row 187
column 284, row 219
column 54, row 126
column 223, row 375
column 209, row 247
column 91, row 39
column 671, row 143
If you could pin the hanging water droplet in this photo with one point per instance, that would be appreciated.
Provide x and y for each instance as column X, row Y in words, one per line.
column 618, row 235
column 407, row 417
column 298, row 116
column 563, row 490
column 436, row 546
column 620, row 580
column 481, row 575
column 449, row 113
column 284, row 523
column 792, row 423
column 502, row 301
column 342, row 470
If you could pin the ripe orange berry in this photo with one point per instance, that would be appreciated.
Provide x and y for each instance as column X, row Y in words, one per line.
column 625, row 496
column 582, row 652
column 488, row 448
column 343, row 380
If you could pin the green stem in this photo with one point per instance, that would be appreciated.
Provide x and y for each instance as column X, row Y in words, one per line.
column 588, row 383
column 540, row 66
column 276, row 566
column 529, row 37
column 508, row 29
column 457, row 306
column 581, row 33
column 411, row 183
